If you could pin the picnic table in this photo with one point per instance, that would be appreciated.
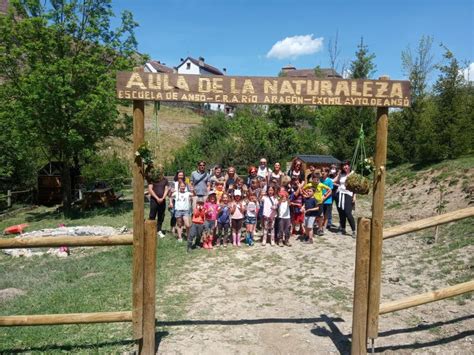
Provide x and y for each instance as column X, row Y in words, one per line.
column 99, row 196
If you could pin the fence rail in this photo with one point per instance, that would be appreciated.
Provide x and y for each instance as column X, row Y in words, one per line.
column 428, row 222
column 428, row 297
column 60, row 240
column 66, row 318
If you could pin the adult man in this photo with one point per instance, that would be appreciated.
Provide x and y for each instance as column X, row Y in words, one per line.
column 200, row 181
column 263, row 172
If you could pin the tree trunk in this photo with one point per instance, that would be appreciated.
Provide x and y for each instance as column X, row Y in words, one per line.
column 66, row 187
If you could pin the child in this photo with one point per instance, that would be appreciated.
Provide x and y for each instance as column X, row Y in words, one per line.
column 251, row 218
column 219, row 190
column 197, row 227
column 223, row 220
column 181, row 202
column 284, row 220
column 296, row 202
column 210, row 224
column 321, row 193
column 237, row 213
column 270, row 205
column 310, row 209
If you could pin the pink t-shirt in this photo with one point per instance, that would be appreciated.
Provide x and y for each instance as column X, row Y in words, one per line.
column 270, row 204
column 211, row 211
column 238, row 213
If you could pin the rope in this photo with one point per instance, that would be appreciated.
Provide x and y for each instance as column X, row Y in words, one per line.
column 359, row 152
column 156, row 108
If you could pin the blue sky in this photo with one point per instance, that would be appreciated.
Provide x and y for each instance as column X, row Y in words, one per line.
column 238, row 34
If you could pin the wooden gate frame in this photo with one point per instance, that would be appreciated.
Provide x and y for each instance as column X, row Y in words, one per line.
column 268, row 91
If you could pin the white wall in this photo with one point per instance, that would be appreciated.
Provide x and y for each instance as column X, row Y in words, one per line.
column 193, row 69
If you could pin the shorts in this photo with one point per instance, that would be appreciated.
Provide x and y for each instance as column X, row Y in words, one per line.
column 196, row 230
column 327, row 209
column 297, row 218
column 181, row 213
column 250, row 220
column 237, row 223
column 309, row 221
column 209, row 225
column 222, row 226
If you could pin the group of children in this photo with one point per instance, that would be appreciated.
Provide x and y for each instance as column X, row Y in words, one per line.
column 277, row 205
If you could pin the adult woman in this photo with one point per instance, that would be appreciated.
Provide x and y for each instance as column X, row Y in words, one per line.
column 345, row 200
column 217, row 176
column 252, row 175
column 158, row 190
column 277, row 174
column 263, row 171
column 230, row 178
column 296, row 170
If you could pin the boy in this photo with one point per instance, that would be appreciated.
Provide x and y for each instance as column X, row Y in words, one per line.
column 310, row 209
column 321, row 193
column 197, row 228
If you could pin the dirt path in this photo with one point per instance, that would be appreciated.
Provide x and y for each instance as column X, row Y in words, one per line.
column 298, row 300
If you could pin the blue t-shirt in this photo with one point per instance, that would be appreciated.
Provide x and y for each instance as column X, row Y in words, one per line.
column 224, row 215
column 327, row 182
column 199, row 182
column 308, row 204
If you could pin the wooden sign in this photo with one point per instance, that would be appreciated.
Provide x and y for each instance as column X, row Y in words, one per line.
column 262, row 90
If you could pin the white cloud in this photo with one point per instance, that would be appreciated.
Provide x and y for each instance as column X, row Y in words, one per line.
column 292, row 47
column 468, row 72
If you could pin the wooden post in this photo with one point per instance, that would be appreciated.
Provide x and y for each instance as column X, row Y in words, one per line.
column 138, row 217
column 149, row 278
column 361, row 288
column 376, row 231
column 9, row 198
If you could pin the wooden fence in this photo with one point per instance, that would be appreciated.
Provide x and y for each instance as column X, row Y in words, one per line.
column 362, row 325
column 143, row 312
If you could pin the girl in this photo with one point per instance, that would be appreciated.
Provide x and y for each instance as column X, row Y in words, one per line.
column 223, row 220
column 210, row 224
column 270, row 205
column 197, row 227
column 181, row 203
column 237, row 213
column 178, row 178
column 284, row 220
column 251, row 218
column 296, row 203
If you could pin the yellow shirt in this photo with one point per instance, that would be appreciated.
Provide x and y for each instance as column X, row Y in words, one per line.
column 318, row 190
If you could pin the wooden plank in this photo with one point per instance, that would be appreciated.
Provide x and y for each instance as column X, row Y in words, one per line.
column 361, row 288
column 138, row 217
column 60, row 240
column 262, row 90
column 428, row 297
column 149, row 290
column 376, row 232
column 428, row 222
column 67, row 318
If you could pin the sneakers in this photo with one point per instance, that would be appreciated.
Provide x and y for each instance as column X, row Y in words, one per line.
column 354, row 234
column 320, row 232
column 309, row 241
column 161, row 234
column 341, row 232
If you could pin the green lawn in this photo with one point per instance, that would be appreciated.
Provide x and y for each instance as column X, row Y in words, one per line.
column 90, row 280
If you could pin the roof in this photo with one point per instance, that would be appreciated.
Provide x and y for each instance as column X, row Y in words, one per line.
column 318, row 159
column 310, row 73
column 203, row 65
column 157, row 67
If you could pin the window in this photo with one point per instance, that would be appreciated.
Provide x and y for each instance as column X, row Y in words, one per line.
column 188, row 65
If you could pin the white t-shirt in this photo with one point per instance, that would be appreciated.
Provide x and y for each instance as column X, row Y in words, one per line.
column 263, row 173
column 342, row 185
column 252, row 209
column 284, row 210
column 269, row 205
column 182, row 202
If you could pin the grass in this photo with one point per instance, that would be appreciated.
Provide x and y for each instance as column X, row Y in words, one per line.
column 90, row 280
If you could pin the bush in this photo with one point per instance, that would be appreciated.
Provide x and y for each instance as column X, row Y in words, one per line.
column 107, row 168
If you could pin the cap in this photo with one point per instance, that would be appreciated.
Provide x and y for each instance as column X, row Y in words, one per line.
column 237, row 193
column 200, row 199
column 212, row 192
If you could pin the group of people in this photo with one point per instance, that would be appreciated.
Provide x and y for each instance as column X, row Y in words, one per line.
column 216, row 208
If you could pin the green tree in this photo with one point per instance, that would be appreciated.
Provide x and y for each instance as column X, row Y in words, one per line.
column 58, row 60
column 341, row 124
column 454, row 100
